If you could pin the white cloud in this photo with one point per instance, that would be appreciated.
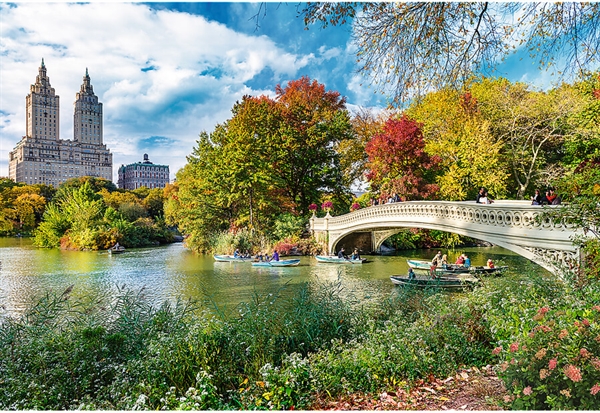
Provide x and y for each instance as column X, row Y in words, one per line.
column 193, row 72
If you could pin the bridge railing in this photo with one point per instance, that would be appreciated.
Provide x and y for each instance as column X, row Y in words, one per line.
column 501, row 213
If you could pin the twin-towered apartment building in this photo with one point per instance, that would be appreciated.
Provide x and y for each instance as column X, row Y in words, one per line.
column 41, row 157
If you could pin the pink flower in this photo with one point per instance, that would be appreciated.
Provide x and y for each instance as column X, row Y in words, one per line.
column 514, row 347
column 573, row 373
column 327, row 205
column 497, row 350
column 563, row 334
column 355, row 207
column 527, row 391
column 596, row 363
column 595, row 389
column 544, row 373
column 543, row 310
column 596, row 307
column 313, row 207
column 584, row 353
column 540, row 354
column 552, row 364
column 585, row 322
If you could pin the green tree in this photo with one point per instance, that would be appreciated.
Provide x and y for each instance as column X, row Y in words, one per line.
column 274, row 156
column 471, row 157
column 314, row 121
column 532, row 126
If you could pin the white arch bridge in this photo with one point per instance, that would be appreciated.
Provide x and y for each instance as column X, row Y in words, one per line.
column 509, row 224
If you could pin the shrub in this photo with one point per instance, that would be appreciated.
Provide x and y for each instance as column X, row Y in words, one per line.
column 556, row 365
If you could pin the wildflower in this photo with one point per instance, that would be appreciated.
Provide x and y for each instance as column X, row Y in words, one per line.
column 540, row 354
column 503, row 367
column 585, row 322
column 545, row 329
column 566, row 393
column 563, row 333
column 544, row 373
column 531, row 334
column 540, row 313
column 596, row 307
column 584, row 353
column 497, row 350
column 595, row 389
column 507, row 399
column 573, row 373
column 552, row 364
column 596, row 363
column 514, row 347
column 527, row 391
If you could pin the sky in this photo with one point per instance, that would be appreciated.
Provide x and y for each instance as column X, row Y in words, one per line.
column 165, row 72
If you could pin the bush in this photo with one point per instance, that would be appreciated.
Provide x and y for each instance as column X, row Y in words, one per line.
column 556, row 364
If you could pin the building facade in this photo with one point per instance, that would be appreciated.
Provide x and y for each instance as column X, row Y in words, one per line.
column 139, row 174
column 41, row 157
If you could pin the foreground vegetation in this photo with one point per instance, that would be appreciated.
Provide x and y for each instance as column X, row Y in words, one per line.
column 287, row 350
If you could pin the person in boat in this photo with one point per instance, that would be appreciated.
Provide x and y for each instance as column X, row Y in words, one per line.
column 490, row 263
column 444, row 261
column 437, row 260
column 275, row 256
column 411, row 274
column 355, row 254
column 460, row 260
column 236, row 253
column 467, row 261
column 341, row 253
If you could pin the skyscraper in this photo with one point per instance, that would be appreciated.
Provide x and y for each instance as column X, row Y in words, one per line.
column 41, row 157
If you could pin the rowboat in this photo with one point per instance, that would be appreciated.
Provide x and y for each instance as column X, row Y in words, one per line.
column 446, row 283
column 116, row 250
column 453, row 268
column 487, row 270
column 282, row 263
column 337, row 260
column 231, row 258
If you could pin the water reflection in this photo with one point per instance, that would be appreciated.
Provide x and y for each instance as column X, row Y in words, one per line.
column 171, row 272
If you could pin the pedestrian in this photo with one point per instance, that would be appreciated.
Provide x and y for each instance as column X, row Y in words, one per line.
column 537, row 198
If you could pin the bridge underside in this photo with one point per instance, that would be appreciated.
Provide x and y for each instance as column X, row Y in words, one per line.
column 550, row 257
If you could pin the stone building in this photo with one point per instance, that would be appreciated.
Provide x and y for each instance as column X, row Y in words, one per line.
column 136, row 175
column 41, row 157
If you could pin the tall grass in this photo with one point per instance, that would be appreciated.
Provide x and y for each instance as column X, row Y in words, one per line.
column 277, row 351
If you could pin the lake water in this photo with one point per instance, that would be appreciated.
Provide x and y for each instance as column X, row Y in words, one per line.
column 170, row 272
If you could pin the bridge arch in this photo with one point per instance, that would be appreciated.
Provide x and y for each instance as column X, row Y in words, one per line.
column 510, row 224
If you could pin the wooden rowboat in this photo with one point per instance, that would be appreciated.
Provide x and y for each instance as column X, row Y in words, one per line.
column 116, row 250
column 282, row 263
column 453, row 268
column 337, row 260
column 446, row 283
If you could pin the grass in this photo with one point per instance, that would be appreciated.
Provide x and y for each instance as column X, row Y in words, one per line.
column 277, row 352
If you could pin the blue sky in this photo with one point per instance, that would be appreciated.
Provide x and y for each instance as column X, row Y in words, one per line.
column 167, row 71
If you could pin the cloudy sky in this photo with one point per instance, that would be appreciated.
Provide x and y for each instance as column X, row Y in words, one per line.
column 167, row 71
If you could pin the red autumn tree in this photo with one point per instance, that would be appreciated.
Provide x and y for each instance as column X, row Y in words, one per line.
column 398, row 162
